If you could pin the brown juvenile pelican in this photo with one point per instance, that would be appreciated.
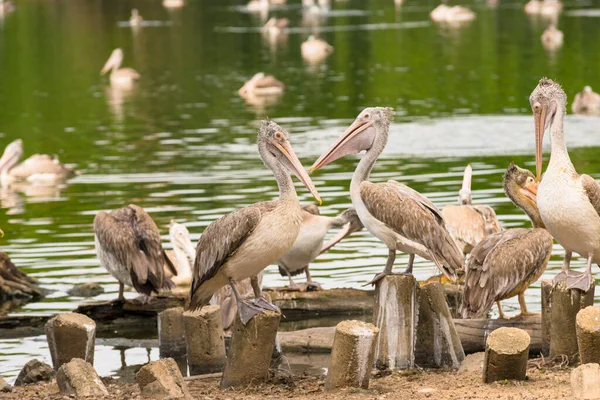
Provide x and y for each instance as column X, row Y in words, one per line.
column 455, row 14
column 39, row 168
column 569, row 203
column 468, row 224
column 128, row 245
column 315, row 50
column 586, row 102
column 399, row 216
column 309, row 243
column 504, row 264
column 135, row 19
column 241, row 244
column 552, row 38
column 121, row 77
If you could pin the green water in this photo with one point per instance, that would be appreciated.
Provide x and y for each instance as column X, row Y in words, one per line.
column 182, row 143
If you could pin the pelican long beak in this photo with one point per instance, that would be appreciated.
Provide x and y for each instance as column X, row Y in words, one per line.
column 296, row 167
column 540, row 127
column 110, row 63
column 343, row 233
column 346, row 144
column 530, row 191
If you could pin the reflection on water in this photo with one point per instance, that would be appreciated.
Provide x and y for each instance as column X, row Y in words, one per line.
column 181, row 143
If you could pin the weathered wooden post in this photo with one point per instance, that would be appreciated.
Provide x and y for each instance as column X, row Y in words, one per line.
column 249, row 354
column 546, row 315
column 204, row 339
column 352, row 355
column 565, row 305
column 588, row 334
column 438, row 344
column 395, row 315
column 69, row 336
column 506, row 354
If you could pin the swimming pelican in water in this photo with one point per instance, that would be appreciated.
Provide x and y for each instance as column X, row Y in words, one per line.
column 39, row 168
column 552, row 38
column 569, row 203
column 262, row 85
column 547, row 8
column 455, row 14
column 241, row 244
column 468, row 224
column 128, row 245
column 6, row 6
column 275, row 26
column 504, row 264
column 135, row 19
column 120, row 77
column 586, row 102
column 315, row 50
column 172, row 3
column 399, row 216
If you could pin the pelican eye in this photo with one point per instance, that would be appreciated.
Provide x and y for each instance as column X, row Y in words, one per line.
column 278, row 135
column 367, row 116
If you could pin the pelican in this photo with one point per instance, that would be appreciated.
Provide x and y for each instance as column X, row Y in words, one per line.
column 39, row 168
column 312, row 7
column 547, row 8
column 135, row 19
column 121, row 77
column 275, row 26
column 587, row 102
column 399, row 216
column 241, row 244
column 128, row 245
column 258, row 6
column 504, row 264
column 444, row 13
column 468, row 224
column 315, row 50
column 309, row 243
column 569, row 203
column 172, row 3
column 261, row 85
column 7, row 6
column 552, row 38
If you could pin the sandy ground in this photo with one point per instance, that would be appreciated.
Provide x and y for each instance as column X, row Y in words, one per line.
column 545, row 383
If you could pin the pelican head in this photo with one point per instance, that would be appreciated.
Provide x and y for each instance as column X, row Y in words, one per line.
column 180, row 239
column 275, row 148
column 250, row 84
column 351, row 224
column 113, row 62
column 369, row 128
column 11, row 156
column 546, row 100
column 587, row 89
column 521, row 187
column 464, row 194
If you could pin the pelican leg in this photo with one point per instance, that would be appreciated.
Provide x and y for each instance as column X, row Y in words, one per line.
column 582, row 281
column 387, row 270
column 523, row 305
column 292, row 284
column 246, row 309
column 564, row 272
column 409, row 267
column 502, row 316
column 259, row 299
column 121, row 290
column 309, row 282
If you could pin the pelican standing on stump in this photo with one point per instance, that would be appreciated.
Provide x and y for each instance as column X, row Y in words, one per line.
column 241, row 244
column 569, row 203
column 504, row 264
column 128, row 245
column 399, row 216
column 120, row 77
column 309, row 243
column 468, row 224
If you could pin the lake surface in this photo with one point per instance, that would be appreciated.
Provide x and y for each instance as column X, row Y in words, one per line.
column 182, row 143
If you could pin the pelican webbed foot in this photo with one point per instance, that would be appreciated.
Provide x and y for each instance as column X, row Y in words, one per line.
column 560, row 277
column 264, row 304
column 247, row 310
column 579, row 280
column 383, row 274
column 313, row 286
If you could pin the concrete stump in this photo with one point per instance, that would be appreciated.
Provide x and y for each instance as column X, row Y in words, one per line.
column 506, row 354
column 438, row 344
column 395, row 314
column 171, row 333
column 69, row 336
column 565, row 305
column 162, row 380
column 585, row 381
column 249, row 355
column 79, row 378
column 546, row 315
column 588, row 334
column 352, row 355
column 205, row 341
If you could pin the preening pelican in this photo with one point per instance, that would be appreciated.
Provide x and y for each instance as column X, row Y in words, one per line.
column 504, row 264
column 399, row 216
column 135, row 19
column 455, row 14
column 309, row 243
column 39, row 168
column 468, row 224
column 241, row 244
column 128, row 245
column 569, row 203
column 121, row 77
column 315, row 50
column 586, row 102
column 261, row 85
column 552, row 38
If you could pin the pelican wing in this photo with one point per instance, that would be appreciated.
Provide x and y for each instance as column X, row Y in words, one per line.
column 41, row 164
column 503, row 265
column 415, row 217
column 268, row 82
column 592, row 190
column 492, row 225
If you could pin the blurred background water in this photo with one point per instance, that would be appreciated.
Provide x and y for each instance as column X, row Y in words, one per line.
column 181, row 144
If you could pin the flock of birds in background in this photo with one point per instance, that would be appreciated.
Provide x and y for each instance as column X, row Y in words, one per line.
column 226, row 265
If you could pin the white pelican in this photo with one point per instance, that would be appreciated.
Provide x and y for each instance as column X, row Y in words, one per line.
column 241, row 244
column 468, row 224
column 455, row 14
column 135, row 19
column 128, row 245
column 547, row 8
column 121, row 77
column 258, row 6
column 309, row 243
column 172, row 3
column 569, row 203
column 39, row 168
column 504, row 264
column 6, row 6
column 262, row 85
column 315, row 50
column 586, row 102
column 552, row 38
column 399, row 216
